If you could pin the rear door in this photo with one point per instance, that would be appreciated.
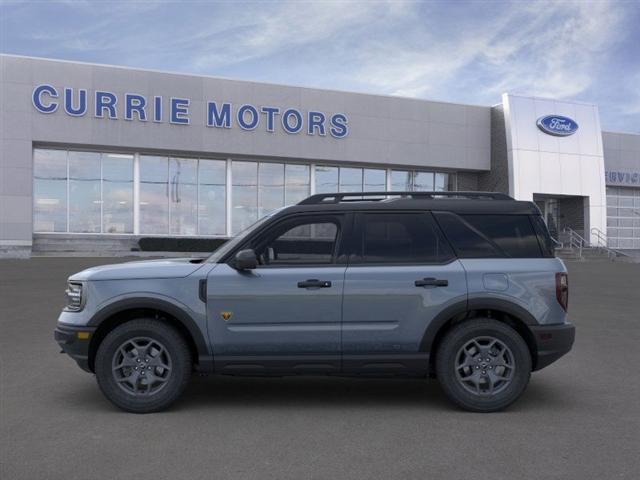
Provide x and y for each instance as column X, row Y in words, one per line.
column 401, row 274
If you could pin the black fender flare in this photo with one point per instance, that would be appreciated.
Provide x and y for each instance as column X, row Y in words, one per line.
column 205, row 359
column 465, row 306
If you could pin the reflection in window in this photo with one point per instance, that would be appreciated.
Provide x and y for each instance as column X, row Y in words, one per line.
column 302, row 243
column 85, row 204
column 89, row 192
column 442, row 182
column 212, row 197
column 326, row 179
column 350, row 180
column 183, row 196
column 296, row 183
column 117, row 193
column 423, row 182
column 401, row 181
column 375, row 180
column 244, row 195
column 154, row 195
column 50, row 190
column 270, row 188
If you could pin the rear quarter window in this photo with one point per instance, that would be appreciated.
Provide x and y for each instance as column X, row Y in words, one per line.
column 490, row 236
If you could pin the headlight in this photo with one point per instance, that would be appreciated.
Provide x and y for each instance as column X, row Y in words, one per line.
column 74, row 297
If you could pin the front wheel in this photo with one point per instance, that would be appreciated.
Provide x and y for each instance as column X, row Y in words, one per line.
column 143, row 365
column 483, row 365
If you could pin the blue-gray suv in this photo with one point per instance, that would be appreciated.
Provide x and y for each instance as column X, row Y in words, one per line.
column 461, row 286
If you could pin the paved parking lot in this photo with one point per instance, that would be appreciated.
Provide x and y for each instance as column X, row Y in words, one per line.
column 579, row 419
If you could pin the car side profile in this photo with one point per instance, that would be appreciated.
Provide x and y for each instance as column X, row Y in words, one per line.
column 460, row 286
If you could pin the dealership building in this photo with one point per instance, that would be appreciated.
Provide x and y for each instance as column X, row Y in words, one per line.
column 93, row 156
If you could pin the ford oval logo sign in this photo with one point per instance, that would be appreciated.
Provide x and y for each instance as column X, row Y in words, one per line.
column 557, row 125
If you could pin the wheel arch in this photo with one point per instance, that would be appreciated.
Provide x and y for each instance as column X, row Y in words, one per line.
column 504, row 311
column 121, row 311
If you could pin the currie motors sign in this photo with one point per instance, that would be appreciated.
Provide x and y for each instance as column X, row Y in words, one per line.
column 557, row 125
column 132, row 106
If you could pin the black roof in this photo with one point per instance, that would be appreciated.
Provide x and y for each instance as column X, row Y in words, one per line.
column 457, row 202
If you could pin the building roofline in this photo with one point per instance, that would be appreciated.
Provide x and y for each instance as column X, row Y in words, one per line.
column 214, row 77
column 549, row 99
column 620, row 132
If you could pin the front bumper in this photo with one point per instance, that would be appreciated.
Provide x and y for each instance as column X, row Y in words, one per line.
column 74, row 341
column 552, row 342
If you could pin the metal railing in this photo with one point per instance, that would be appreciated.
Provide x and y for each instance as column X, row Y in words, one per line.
column 602, row 244
column 576, row 242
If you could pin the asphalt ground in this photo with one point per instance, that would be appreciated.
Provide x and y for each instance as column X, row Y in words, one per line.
column 579, row 418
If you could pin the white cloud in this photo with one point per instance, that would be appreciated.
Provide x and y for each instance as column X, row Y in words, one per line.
column 259, row 32
column 545, row 49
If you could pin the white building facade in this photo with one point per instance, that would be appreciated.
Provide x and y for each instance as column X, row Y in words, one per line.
column 92, row 154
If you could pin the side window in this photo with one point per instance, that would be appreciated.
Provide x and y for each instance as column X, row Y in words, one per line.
column 467, row 241
column 401, row 238
column 302, row 241
column 513, row 234
column 485, row 236
column 544, row 238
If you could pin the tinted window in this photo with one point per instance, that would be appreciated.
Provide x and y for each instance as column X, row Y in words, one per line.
column 544, row 238
column 307, row 241
column 482, row 236
column 401, row 238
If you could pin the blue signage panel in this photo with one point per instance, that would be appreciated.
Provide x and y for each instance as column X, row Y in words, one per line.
column 136, row 107
column 557, row 125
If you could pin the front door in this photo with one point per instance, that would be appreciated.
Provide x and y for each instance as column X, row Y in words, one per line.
column 285, row 315
column 402, row 275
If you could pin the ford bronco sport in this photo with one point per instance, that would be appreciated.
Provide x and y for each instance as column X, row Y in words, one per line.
column 463, row 286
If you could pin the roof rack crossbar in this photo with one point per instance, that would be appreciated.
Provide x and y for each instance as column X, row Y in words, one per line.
column 321, row 198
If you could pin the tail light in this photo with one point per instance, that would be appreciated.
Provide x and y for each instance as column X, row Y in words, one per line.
column 562, row 290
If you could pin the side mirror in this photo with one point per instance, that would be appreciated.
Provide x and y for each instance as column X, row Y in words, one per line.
column 246, row 260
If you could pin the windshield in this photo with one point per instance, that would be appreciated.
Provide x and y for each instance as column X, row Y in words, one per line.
column 237, row 240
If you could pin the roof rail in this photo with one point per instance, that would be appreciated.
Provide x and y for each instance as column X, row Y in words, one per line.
column 321, row 198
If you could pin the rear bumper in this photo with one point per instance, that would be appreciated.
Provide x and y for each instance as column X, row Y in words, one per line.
column 552, row 342
column 74, row 345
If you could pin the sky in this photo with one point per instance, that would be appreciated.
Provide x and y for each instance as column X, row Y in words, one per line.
column 456, row 51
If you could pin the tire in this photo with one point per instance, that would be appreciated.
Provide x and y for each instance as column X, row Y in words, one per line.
column 143, row 365
column 472, row 382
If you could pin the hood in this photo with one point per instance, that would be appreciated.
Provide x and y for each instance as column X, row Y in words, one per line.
column 165, row 268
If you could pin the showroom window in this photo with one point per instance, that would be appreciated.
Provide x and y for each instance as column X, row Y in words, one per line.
column 244, row 195
column 82, row 192
column 374, row 180
column 347, row 179
column 183, row 196
column 417, row 181
column 117, row 193
column 297, row 183
column 122, row 193
column 212, row 197
column 270, row 187
column 50, row 190
column 154, row 195
column 326, row 179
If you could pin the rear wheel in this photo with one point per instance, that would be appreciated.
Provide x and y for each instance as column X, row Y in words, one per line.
column 483, row 365
column 143, row 365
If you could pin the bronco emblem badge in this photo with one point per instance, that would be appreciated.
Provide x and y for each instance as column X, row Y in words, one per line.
column 226, row 315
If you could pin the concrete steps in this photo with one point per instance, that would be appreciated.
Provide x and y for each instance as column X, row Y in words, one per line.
column 593, row 254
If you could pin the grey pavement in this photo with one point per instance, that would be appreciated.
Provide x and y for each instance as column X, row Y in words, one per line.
column 579, row 419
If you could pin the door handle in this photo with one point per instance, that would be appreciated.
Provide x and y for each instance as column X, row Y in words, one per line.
column 431, row 282
column 314, row 283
